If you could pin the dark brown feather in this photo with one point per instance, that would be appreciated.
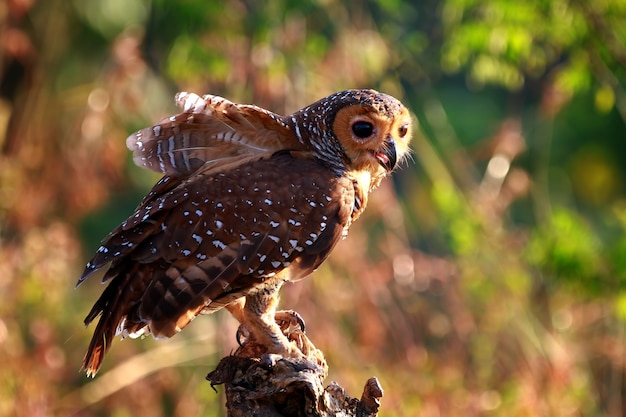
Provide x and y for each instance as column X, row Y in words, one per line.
column 218, row 235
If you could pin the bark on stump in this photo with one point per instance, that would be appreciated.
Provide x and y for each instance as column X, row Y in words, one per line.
column 268, row 385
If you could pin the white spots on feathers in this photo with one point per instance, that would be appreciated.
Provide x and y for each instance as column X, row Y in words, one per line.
column 297, row 128
column 219, row 244
column 295, row 245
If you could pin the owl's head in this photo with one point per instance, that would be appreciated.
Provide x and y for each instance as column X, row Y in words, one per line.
column 357, row 130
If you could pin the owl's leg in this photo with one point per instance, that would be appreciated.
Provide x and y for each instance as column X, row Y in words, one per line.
column 236, row 308
column 263, row 325
column 260, row 321
column 290, row 322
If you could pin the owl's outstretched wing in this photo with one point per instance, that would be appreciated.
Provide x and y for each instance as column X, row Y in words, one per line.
column 210, row 130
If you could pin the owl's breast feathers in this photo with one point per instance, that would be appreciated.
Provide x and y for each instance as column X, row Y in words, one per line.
column 198, row 245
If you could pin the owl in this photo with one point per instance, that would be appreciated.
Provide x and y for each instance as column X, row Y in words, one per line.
column 249, row 200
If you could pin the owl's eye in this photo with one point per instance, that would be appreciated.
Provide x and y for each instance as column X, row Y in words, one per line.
column 402, row 130
column 362, row 130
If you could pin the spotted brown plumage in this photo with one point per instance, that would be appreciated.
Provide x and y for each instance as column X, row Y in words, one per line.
column 249, row 200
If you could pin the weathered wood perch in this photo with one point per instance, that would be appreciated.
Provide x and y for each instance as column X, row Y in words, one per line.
column 267, row 385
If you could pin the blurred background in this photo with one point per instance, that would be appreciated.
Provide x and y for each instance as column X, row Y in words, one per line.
column 488, row 278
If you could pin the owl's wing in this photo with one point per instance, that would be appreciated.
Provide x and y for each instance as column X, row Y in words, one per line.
column 209, row 241
column 210, row 130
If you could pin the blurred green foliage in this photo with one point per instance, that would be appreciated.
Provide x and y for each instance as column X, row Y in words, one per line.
column 487, row 278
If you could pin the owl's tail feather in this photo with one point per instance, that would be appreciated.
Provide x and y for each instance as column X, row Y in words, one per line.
column 97, row 349
column 108, row 307
column 113, row 308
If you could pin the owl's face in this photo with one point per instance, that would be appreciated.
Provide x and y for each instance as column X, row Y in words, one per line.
column 361, row 131
column 373, row 140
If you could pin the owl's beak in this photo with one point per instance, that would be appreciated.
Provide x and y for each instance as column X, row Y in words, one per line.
column 387, row 156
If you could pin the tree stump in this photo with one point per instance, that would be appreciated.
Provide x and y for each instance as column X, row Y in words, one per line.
column 268, row 385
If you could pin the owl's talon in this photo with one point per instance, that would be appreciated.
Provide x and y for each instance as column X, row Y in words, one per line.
column 289, row 321
column 242, row 332
column 301, row 322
